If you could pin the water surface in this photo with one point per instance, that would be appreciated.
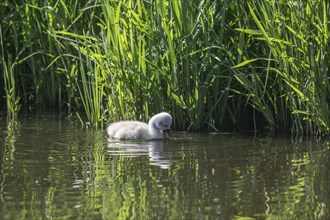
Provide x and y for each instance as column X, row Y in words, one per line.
column 52, row 169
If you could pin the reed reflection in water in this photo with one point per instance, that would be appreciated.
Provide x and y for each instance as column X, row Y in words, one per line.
column 51, row 168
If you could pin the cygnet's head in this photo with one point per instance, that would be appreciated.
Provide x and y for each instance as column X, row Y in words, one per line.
column 161, row 121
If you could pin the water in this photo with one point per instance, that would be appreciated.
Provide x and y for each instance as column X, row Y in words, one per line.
column 52, row 169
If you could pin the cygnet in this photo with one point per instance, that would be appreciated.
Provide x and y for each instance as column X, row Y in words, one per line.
column 136, row 130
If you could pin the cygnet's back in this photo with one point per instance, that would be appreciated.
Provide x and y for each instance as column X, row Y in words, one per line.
column 135, row 130
column 128, row 130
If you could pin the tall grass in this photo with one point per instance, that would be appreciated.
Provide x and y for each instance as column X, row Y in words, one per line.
column 291, row 75
column 8, row 70
column 212, row 64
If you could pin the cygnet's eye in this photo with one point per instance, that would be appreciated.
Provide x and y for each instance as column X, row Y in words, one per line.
column 163, row 125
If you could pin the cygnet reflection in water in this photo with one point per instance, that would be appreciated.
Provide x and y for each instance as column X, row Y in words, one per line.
column 136, row 130
column 159, row 155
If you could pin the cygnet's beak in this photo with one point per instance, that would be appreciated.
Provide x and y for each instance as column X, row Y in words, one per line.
column 168, row 132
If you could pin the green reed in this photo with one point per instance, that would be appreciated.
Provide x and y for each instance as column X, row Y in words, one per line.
column 293, row 69
column 211, row 64
column 8, row 69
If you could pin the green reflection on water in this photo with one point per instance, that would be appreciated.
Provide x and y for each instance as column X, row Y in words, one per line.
column 52, row 169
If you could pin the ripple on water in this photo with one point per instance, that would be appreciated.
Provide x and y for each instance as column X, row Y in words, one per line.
column 52, row 169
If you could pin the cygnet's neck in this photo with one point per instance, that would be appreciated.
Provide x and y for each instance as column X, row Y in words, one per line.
column 154, row 132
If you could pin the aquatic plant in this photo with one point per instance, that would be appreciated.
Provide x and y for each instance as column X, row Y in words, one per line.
column 286, row 72
column 212, row 64
column 12, row 100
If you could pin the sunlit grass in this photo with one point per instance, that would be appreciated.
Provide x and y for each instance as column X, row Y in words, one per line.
column 211, row 64
column 291, row 82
